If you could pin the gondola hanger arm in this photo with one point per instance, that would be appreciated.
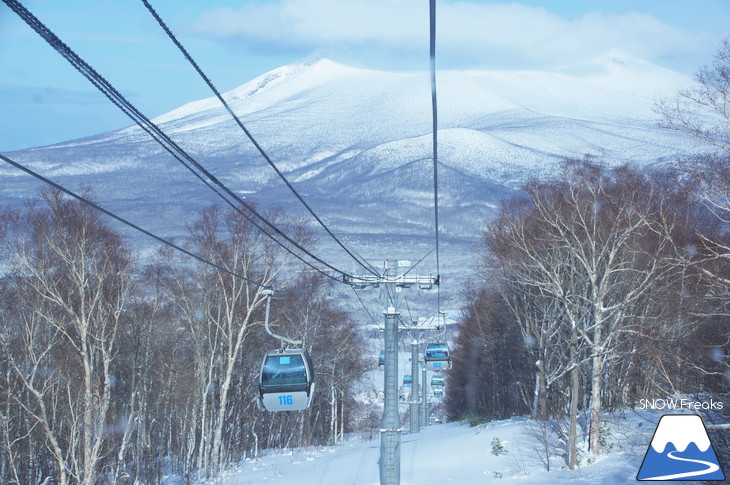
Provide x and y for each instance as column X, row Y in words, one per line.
column 269, row 293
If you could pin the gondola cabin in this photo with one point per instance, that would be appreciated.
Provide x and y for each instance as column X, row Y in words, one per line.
column 381, row 360
column 437, row 357
column 286, row 380
column 437, row 381
column 438, row 392
column 407, row 381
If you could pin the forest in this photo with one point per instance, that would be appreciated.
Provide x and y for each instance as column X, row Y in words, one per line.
column 602, row 287
column 115, row 372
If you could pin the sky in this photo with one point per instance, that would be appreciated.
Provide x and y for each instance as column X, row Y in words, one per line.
column 43, row 100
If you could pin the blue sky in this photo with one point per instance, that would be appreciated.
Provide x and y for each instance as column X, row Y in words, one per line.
column 43, row 100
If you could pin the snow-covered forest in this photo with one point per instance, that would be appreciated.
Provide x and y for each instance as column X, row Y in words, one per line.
column 115, row 371
column 608, row 286
column 595, row 288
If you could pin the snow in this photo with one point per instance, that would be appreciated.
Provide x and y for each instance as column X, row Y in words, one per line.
column 263, row 92
column 504, row 452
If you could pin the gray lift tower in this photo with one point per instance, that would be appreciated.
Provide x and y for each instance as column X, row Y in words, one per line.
column 392, row 283
column 414, row 415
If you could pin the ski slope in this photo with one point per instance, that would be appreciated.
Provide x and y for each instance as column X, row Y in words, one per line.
column 452, row 453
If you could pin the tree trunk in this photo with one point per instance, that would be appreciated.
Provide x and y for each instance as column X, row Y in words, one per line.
column 574, row 390
column 596, row 388
column 598, row 360
column 542, row 391
column 222, row 407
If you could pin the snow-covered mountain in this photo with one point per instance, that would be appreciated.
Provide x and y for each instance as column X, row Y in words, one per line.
column 356, row 144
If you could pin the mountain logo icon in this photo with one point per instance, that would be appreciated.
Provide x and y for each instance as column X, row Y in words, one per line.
column 680, row 450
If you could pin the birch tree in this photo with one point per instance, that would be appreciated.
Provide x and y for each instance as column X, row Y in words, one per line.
column 78, row 273
column 595, row 242
column 220, row 309
column 539, row 283
column 608, row 226
column 702, row 112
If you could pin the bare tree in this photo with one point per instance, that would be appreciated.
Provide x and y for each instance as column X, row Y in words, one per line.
column 702, row 112
column 584, row 251
column 491, row 362
column 109, row 378
column 545, row 290
column 77, row 273
column 220, row 309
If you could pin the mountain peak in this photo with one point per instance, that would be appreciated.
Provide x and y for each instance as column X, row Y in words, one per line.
column 615, row 61
column 322, row 67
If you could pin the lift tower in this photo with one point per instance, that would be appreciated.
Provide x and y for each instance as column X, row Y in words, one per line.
column 392, row 282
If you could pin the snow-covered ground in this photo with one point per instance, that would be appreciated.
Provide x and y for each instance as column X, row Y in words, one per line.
column 504, row 452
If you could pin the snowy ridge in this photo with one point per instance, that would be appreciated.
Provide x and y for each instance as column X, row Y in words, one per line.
column 256, row 94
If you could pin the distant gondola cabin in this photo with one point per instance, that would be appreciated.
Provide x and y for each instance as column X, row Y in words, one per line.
column 437, row 357
column 437, row 381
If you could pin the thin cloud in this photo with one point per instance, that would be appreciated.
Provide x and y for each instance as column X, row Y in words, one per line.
column 469, row 34
column 312, row 23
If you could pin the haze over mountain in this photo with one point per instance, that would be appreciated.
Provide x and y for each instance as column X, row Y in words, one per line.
column 356, row 144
